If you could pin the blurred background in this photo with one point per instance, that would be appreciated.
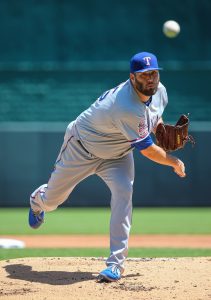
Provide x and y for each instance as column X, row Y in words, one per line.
column 58, row 56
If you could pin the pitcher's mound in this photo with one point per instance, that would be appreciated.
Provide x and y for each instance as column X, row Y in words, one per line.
column 74, row 278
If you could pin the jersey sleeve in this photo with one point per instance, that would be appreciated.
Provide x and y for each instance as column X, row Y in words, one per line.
column 143, row 144
column 132, row 126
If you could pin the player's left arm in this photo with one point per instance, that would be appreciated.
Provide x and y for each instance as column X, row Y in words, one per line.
column 158, row 155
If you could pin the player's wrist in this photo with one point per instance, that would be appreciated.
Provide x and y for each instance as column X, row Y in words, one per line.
column 174, row 161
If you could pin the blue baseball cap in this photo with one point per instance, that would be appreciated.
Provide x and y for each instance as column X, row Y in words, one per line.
column 143, row 61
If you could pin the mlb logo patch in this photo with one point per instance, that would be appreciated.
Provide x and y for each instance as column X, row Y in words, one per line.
column 142, row 128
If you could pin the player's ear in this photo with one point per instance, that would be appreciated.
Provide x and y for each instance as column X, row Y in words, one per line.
column 132, row 77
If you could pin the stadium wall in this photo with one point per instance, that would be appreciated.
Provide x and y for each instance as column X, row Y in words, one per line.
column 28, row 155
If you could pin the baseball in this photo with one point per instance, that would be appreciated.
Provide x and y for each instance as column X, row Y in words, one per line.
column 171, row 29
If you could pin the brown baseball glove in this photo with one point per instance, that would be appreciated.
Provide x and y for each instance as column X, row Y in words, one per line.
column 174, row 137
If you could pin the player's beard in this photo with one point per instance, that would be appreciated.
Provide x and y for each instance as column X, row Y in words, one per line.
column 144, row 90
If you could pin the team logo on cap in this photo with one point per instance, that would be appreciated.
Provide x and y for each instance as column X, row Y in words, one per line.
column 147, row 60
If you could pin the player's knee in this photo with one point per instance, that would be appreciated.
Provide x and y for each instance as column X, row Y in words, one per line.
column 124, row 188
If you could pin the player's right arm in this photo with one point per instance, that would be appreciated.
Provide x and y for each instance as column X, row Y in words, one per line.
column 158, row 155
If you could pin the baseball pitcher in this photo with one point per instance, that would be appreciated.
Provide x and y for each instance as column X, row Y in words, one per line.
column 101, row 141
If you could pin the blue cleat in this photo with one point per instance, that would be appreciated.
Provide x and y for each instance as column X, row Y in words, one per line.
column 36, row 219
column 112, row 273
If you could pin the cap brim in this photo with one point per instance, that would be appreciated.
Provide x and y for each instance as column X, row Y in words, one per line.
column 148, row 69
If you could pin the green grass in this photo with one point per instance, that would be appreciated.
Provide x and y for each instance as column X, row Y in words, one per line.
column 96, row 221
column 101, row 252
column 13, row 221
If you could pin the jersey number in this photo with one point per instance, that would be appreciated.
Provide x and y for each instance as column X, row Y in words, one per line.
column 103, row 96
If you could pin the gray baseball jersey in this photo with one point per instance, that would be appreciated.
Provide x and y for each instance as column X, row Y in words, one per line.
column 108, row 130
column 111, row 126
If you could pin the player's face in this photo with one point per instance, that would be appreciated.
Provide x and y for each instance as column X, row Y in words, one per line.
column 147, row 82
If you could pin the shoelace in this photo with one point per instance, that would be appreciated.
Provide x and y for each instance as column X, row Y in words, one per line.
column 115, row 269
column 40, row 219
column 37, row 215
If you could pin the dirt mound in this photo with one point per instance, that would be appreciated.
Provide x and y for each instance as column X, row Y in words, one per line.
column 74, row 278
